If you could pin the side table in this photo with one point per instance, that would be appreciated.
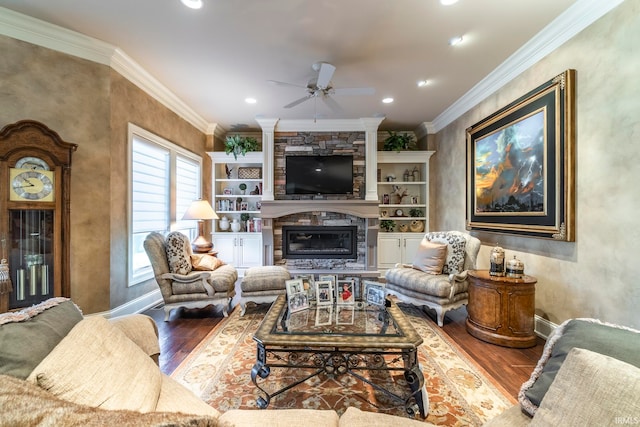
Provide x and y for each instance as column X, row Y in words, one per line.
column 501, row 309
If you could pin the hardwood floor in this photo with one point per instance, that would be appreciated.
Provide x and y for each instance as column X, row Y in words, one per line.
column 507, row 366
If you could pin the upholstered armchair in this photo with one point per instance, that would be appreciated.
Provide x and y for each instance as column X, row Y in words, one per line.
column 437, row 278
column 186, row 279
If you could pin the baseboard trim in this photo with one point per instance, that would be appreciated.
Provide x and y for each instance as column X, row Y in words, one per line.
column 543, row 327
column 137, row 305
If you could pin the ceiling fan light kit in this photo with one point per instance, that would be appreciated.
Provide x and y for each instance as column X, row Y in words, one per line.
column 192, row 4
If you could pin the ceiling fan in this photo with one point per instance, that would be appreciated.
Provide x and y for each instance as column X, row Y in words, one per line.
column 322, row 87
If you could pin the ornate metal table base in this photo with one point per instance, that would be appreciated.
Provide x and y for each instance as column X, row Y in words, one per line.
column 339, row 361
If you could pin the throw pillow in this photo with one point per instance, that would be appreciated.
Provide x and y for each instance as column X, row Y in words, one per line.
column 205, row 262
column 590, row 389
column 456, row 244
column 430, row 257
column 612, row 340
column 97, row 365
column 25, row 404
column 29, row 335
column 178, row 253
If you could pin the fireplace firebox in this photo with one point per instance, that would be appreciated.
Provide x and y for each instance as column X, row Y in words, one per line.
column 319, row 242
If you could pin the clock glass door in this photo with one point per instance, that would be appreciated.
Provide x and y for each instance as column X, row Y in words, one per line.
column 31, row 256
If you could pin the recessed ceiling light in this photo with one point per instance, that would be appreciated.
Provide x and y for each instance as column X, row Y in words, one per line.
column 250, row 100
column 455, row 40
column 193, row 4
column 387, row 100
column 448, row 2
column 423, row 83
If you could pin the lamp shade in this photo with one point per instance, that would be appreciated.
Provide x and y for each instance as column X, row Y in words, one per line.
column 200, row 209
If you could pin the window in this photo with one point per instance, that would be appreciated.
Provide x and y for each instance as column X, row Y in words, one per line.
column 163, row 181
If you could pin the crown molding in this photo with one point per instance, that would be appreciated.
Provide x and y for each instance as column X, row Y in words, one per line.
column 45, row 34
column 363, row 124
column 576, row 18
column 424, row 129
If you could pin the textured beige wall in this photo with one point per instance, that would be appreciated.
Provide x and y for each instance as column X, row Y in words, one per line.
column 70, row 96
column 594, row 276
column 90, row 105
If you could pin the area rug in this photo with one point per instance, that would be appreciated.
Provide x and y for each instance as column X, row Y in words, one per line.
column 460, row 393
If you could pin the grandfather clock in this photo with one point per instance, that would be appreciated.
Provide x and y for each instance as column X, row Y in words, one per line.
column 35, row 171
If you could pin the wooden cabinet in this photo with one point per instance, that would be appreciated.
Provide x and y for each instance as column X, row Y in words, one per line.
column 242, row 250
column 397, row 248
column 501, row 309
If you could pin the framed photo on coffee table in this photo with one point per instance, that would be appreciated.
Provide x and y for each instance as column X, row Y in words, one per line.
column 345, row 293
column 324, row 292
column 374, row 293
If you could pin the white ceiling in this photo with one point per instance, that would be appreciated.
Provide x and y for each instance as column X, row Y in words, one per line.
column 215, row 57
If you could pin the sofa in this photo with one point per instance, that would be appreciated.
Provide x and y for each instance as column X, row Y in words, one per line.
column 588, row 375
column 58, row 367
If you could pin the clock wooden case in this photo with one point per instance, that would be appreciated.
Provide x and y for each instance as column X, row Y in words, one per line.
column 35, row 171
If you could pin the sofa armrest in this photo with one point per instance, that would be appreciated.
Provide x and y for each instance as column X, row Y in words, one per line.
column 187, row 278
column 142, row 330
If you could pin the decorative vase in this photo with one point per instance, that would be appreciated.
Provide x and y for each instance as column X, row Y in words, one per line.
column 515, row 268
column 403, row 228
column 224, row 223
column 235, row 225
column 497, row 261
column 416, row 226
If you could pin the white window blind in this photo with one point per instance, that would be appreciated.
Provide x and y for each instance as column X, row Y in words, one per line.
column 164, row 180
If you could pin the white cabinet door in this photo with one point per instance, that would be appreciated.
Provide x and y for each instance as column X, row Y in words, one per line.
column 389, row 249
column 224, row 243
column 410, row 245
column 250, row 250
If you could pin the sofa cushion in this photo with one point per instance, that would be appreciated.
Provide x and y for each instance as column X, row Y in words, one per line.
column 456, row 244
column 416, row 281
column 205, row 262
column 430, row 257
column 174, row 397
column 608, row 339
column 25, row 404
column 354, row 417
column 590, row 389
column 97, row 365
column 29, row 335
column 280, row 417
column 178, row 253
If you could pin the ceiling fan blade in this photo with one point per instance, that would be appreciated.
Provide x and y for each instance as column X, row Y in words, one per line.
column 297, row 101
column 277, row 83
column 354, row 91
column 331, row 103
column 325, row 74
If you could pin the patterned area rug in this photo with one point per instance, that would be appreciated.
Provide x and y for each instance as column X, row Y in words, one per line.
column 460, row 394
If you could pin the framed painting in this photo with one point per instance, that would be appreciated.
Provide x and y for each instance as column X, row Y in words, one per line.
column 521, row 165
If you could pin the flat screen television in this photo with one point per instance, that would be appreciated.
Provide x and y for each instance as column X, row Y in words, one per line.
column 319, row 174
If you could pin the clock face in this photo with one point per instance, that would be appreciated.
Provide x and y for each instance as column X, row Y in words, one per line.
column 32, row 185
column 32, row 163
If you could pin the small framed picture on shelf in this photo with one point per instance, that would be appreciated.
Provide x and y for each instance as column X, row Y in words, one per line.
column 324, row 292
column 374, row 293
column 385, row 199
column 414, row 200
column 227, row 191
column 345, row 294
column 244, row 206
column 298, row 302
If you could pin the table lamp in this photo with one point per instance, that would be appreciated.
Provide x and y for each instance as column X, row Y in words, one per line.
column 200, row 210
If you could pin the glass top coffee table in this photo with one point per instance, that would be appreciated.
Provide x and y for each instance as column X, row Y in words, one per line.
column 338, row 340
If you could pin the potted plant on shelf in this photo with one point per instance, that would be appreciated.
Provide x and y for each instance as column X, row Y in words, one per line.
column 242, row 187
column 244, row 218
column 237, row 144
column 414, row 212
column 397, row 142
column 387, row 224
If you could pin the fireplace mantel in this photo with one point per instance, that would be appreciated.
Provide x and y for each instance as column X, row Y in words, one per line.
column 280, row 208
